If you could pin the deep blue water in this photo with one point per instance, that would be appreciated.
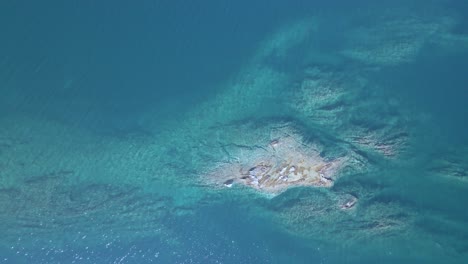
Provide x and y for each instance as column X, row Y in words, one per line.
column 86, row 86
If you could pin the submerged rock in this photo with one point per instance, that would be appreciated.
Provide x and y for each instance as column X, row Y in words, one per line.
column 340, row 101
column 229, row 183
column 349, row 203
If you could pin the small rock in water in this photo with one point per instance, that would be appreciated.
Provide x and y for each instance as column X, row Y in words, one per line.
column 229, row 183
column 283, row 170
column 274, row 143
column 349, row 203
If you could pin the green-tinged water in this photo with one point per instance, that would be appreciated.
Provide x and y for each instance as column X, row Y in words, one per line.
column 221, row 132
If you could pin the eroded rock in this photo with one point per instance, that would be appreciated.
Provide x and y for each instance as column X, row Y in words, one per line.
column 349, row 202
column 285, row 162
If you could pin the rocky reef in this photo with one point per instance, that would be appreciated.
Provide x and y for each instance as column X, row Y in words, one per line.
column 452, row 164
column 395, row 36
column 286, row 161
column 352, row 107
column 45, row 208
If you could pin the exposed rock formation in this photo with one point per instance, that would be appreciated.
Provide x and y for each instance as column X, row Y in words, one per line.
column 286, row 161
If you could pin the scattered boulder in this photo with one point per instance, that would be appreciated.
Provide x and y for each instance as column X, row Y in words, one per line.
column 349, row 202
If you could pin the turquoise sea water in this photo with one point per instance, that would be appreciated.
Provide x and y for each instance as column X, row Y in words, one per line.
column 117, row 119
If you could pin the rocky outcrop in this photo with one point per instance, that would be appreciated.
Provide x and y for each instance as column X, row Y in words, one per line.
column 272, row 167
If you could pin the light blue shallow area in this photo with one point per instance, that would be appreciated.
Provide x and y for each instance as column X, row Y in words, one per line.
column 117, row 118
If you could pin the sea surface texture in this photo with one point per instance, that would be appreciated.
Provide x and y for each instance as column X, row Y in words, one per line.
column 223, row 131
